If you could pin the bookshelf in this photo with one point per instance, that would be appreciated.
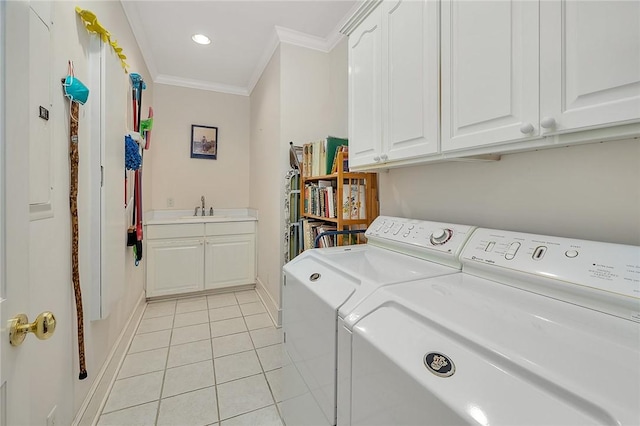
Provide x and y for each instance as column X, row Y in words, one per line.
column 339, row 201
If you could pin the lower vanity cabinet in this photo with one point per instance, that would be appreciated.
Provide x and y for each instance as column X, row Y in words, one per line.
column 230, row 253
column 174, row 259
column 186, row 258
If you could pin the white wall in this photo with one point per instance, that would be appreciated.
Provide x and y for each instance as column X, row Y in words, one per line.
column 301, row 97
column 224, row 182
column 266, row 181
column 588, row 191
column 54, row 377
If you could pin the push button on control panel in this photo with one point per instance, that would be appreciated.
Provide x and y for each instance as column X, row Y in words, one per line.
column 571, row 253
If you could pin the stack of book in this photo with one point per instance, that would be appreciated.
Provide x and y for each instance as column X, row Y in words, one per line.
column 318, row 158
column 320, row 199
column 312, row 228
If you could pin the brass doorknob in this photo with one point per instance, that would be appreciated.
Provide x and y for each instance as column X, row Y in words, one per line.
column 43, row 327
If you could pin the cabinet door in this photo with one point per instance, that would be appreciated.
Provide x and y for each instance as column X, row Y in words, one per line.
column 590, row 53
column 410, row 78
column 365, row 130
column 174, row 266
column 230, row 260
column 490, row 73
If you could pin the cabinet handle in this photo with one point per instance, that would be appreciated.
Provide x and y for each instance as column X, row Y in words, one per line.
column 526, row 128
column 384, row 157
column 548, row 122
column 376, row 159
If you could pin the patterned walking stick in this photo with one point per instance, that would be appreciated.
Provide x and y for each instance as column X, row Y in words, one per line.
column 77, row 94
column 73, row 204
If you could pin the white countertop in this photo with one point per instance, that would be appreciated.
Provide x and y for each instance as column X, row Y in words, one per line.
column 166, row 217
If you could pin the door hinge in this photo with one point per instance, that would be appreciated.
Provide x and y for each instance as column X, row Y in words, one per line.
column 101, row 176
column 285, row 337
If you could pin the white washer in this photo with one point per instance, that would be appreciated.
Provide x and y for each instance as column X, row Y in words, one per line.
column 536, row 330
column 321, row 283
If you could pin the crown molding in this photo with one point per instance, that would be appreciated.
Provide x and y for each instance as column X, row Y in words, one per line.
column 201, row 85
column 358, row 14
column 297, row 38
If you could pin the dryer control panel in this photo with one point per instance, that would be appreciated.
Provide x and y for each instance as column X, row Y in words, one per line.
column 583, row 272
column 419, row 238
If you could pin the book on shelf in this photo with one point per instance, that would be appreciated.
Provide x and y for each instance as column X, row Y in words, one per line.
column 318, row 157
column 354, row 203
column 344, row 149
column 332, row 145
column 309, row 233
column 325, row 240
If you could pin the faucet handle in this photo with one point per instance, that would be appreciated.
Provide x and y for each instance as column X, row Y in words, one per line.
column 195, row 213
column 211, row 211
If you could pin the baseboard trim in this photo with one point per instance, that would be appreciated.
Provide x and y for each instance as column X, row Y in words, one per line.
column 273, row 309
column 96, row 398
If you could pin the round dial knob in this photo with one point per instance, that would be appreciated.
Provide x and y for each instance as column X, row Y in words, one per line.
column 440, row 236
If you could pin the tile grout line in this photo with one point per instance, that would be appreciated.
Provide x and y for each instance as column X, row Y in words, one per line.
column 213, row 356
column 166, row 362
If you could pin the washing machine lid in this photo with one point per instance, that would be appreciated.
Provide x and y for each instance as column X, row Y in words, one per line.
column 517, row 356
column 357, row 271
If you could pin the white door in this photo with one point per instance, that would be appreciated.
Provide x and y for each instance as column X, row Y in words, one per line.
column 590, row 57
column 410, row 76
column 15, row 362
column 365, row 130
column 489, row 72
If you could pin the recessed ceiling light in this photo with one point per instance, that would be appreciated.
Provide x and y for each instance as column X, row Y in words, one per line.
column 201, row 39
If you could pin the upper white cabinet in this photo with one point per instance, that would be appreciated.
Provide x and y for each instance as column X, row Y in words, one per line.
column 393, row 84
column 490, row 64
column 365, row 126
column 590, row 64
column 513, row 75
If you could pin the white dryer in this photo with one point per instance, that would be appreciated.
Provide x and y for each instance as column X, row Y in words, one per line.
column 536, row 330
column 321, row 283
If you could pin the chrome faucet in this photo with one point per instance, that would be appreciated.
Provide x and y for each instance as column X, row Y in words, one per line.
column 202, row 199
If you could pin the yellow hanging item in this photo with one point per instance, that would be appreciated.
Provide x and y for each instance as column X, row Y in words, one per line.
column 92, row 25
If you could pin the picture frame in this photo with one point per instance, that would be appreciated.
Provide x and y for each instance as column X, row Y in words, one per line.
column 204, row 142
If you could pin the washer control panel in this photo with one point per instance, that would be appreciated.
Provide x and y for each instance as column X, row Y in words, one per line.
column 578, row 265
column 443, row 237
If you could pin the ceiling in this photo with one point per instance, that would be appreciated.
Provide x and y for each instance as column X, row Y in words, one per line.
column 244, row 34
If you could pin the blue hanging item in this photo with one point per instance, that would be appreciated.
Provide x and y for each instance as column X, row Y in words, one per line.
column 74, row 89
column 132, row 158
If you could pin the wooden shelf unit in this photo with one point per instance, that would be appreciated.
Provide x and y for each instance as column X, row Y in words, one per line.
column 342, row 181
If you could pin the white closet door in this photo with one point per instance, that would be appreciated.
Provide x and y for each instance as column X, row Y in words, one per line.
column 590, row 52
column 490, row 63
column 365, row 129
column 410, row 98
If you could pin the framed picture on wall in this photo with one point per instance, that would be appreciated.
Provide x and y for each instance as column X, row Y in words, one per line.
column 204, row 142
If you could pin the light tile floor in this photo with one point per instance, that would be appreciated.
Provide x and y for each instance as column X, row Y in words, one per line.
column 210, row 360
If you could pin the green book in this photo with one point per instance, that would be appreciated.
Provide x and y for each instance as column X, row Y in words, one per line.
column 332, row 147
